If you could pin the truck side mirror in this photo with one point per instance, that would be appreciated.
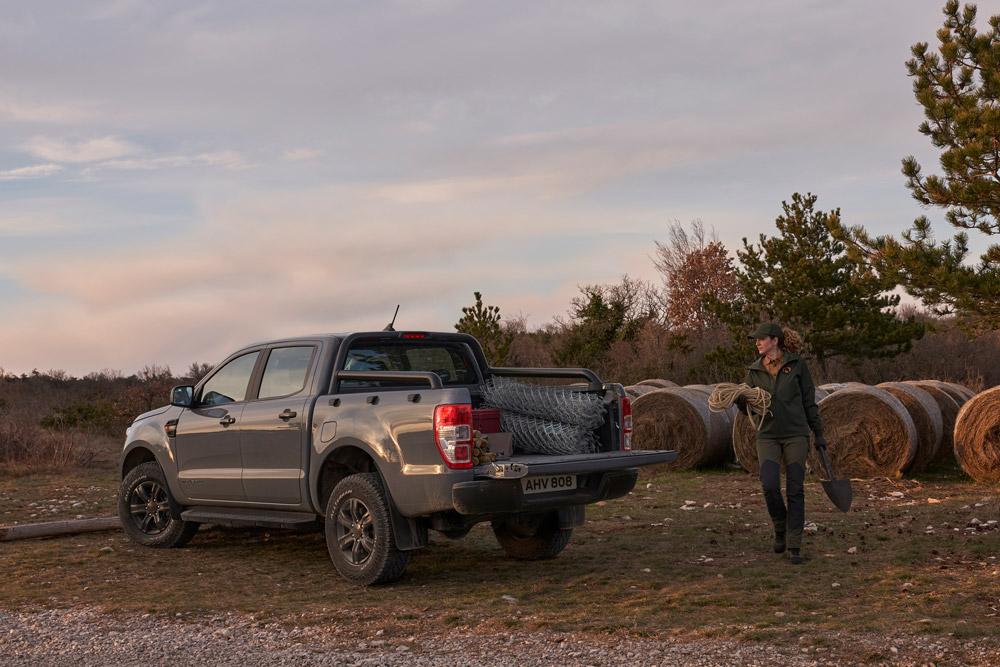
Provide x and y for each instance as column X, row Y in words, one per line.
column 182, row 396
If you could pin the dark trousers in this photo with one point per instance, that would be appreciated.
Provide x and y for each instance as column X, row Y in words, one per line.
column 771, row 452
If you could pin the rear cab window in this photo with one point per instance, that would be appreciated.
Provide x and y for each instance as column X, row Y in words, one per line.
column 452, row 362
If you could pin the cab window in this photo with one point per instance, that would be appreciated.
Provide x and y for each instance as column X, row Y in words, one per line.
column 229, row 384
column 449, row 362
column 285, row 372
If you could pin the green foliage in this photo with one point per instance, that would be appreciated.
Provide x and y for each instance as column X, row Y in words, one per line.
column 98, row 415
column 805, row 279
column 483, row 322
column 959, row 88
column 603, row 315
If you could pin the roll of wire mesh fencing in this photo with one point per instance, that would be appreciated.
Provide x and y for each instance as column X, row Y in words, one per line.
column 926, row 415
column 546, row 420
column 678, row 418
column 977, row 437
column 949, row 407
column 869, row 433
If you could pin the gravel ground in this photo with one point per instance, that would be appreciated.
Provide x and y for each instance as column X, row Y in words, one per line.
column 84, row 637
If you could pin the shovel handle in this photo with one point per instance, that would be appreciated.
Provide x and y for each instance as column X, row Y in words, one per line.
column 826, row 462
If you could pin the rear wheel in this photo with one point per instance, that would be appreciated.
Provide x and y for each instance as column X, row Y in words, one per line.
column 359, row 533
column 532, row 536
column 144, row 510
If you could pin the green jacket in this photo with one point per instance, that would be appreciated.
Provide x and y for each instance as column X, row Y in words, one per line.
column 793, row 410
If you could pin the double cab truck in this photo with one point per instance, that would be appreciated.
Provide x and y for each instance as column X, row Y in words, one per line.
column 368, row 436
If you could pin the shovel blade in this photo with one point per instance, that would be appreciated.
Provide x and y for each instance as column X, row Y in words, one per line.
column 839, row 492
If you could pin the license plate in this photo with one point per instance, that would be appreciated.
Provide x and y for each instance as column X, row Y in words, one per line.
column 548, row 483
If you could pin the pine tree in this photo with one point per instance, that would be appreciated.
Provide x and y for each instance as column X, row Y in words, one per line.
column 805, row 279
column 959, row 89
column 483, row 322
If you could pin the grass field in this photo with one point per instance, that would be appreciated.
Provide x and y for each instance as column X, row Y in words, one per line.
column 684, row 553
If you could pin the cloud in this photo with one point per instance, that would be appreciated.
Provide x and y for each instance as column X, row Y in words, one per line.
column 35, row 171
column 227, row 159
column 299, row 154
column 87, row 150
column 64, row 112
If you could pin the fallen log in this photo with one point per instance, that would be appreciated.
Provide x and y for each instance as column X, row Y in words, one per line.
column 53, row 528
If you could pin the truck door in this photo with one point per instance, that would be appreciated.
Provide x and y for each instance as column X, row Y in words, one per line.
column 274, row 428
column 209, row 462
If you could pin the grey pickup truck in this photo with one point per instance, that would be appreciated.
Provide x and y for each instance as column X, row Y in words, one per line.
column 371, row 437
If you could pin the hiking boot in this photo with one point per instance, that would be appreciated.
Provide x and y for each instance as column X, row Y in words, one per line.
column 779, row 542
column 795, row 558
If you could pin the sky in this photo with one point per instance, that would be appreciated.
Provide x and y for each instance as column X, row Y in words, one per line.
column 178, row 179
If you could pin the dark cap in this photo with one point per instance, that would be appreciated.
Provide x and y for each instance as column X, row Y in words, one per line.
column 768, row 330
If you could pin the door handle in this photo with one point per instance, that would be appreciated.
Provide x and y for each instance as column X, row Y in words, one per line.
column 287, row 414
column 227, row 420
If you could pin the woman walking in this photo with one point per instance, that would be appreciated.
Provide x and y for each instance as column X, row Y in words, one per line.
column 784, row 433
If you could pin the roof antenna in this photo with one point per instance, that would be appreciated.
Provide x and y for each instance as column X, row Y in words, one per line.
column 388, row 327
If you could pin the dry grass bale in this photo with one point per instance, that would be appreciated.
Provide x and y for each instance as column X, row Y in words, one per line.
column 678, row 418
column 926, row 415
column 959, row 392
column 657, row 383
column 745, row 439
column 868, row 433
column 831, row 387
column 634, row 391
column 977, row 437
column 949, row 412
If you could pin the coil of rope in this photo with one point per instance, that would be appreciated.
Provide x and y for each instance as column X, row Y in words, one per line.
column 758, row 401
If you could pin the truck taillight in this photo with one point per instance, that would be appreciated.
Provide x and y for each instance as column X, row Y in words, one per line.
column 626, row 423
column 453, row 434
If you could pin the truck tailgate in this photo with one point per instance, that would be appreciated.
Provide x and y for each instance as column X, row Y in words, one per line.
column 538, row 464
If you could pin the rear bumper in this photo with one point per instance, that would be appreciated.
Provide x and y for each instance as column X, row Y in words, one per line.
column 599, row 477
column 501, row 496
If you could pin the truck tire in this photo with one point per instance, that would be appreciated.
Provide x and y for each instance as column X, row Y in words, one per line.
column 144, row 510
column 359, row 532
column 532, row 536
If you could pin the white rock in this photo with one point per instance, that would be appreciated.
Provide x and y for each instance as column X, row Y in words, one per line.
column 852, row 550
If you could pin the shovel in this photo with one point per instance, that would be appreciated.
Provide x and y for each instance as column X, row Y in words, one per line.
column 838, row 490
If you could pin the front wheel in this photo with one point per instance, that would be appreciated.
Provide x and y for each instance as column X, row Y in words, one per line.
column 359, row 532
column 532, row 536
column 145, row 512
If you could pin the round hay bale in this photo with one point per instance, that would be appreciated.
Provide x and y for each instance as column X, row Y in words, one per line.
column 831, row 387
column 678, row 418
column 926, row 415
column 745, row 439
column 977, row 437
column 634, row 391
column 821, row 394
column 657, row 383
column 949, row 412
column 958, row 392
column 868, row 433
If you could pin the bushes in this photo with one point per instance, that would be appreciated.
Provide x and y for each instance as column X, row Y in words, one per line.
column 50, row 421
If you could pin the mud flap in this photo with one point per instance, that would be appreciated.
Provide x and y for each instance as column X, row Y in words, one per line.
column 572, row 517
column 409, row 534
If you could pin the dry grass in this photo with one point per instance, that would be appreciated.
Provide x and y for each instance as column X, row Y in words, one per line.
column 641, row 565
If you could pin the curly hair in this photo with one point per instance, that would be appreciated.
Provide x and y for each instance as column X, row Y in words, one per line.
column 792, row 341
